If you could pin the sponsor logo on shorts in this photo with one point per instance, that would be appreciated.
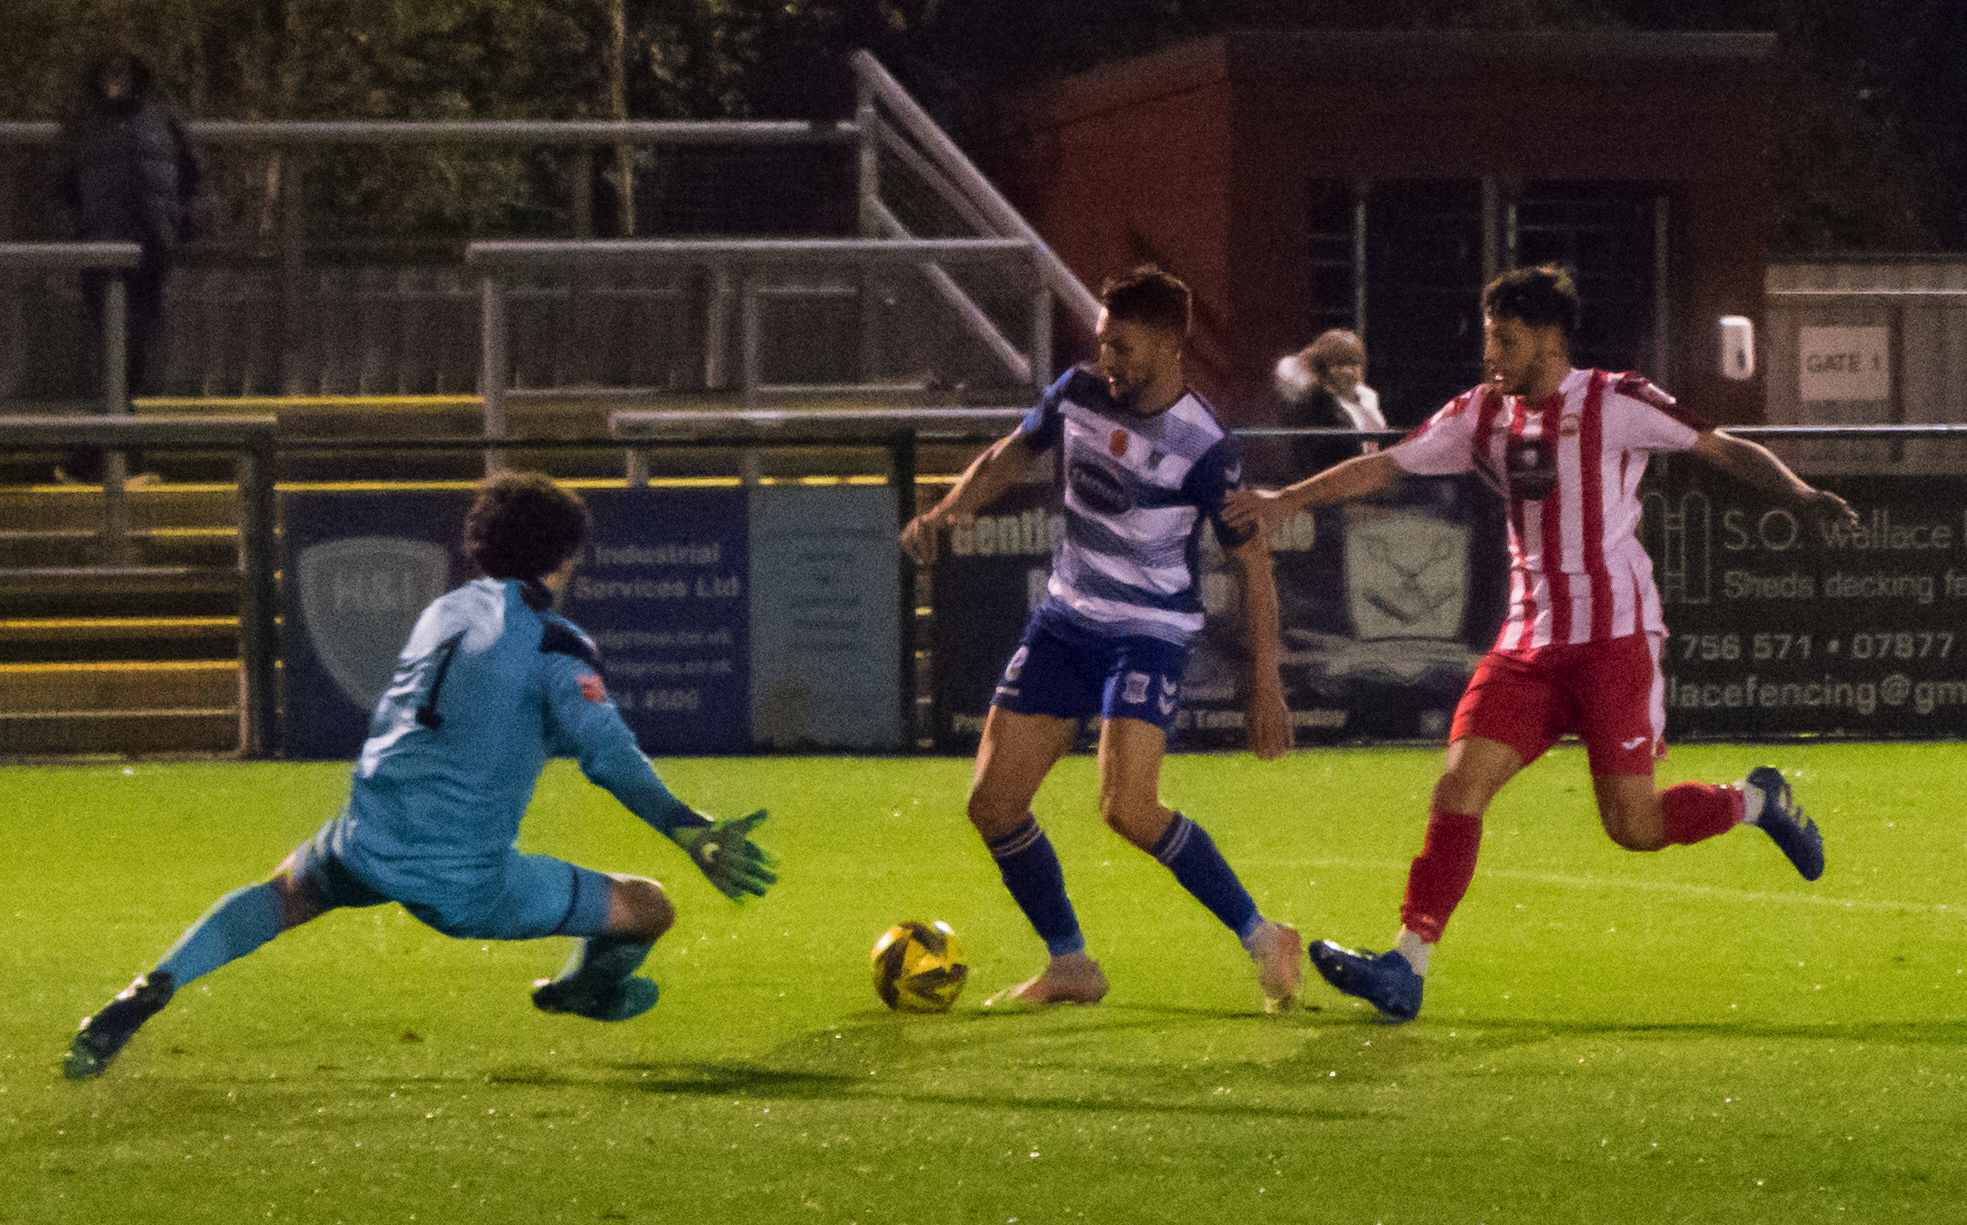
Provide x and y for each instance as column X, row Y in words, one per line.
column 1635, row 742
column 1135, row 693
column 1169, row 699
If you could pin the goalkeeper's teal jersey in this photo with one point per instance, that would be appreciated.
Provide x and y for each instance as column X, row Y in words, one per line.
column 490, row 687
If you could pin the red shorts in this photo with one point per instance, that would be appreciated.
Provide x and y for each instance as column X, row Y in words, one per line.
column 1609, row 693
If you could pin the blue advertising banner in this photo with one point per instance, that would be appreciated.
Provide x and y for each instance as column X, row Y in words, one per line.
column 358, row 569
column 1382, row 612
column 1383, row 608
column 825, row 618
column 663, row 587
column 988, row 576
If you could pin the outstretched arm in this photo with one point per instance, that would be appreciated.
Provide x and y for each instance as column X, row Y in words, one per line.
column 591, row 727
column 1267, row 717
column 987, row 477
column 1757, row 467
column 1362, row 476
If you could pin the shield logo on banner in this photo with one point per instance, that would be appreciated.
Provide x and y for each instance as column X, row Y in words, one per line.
column 1406, row 575
column 360, row 599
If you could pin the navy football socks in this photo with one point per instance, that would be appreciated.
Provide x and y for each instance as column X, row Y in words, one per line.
column 1030, row 868
column 1186, row 849
column 237, row 923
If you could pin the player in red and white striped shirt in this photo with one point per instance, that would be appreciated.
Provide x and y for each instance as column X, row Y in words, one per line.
column 1580, row 650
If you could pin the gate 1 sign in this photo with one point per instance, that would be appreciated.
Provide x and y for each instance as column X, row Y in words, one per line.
column 1844, row 364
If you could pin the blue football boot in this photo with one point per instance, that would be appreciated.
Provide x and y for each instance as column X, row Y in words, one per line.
column 106, row 1033
column 1384, row 980
column 1794, row 834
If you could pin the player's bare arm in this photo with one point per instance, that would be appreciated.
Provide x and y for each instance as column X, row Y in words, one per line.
column 982, row 483
column 1268, row 718
column 1757, row 467
column 1362, row 476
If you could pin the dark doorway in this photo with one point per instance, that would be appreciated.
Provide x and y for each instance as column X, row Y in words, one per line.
column 1424, row 264
column 1607, row 234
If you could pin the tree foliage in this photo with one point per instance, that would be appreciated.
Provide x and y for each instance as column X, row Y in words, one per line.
column 1870, row 142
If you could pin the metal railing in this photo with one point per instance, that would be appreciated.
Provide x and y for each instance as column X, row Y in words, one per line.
column 753, row 266
column 251, row 440
column 79, row 256
column 962, row 182
column 584, row 136
column 116, row 258
column 881, row 97
column 253, row 328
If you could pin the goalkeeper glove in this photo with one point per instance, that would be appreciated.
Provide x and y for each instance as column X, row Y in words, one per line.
column 724, row 852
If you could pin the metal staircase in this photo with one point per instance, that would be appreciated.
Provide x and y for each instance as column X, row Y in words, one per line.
column 120, row 612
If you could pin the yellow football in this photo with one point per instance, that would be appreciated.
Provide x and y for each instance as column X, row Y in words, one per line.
column 919, row 967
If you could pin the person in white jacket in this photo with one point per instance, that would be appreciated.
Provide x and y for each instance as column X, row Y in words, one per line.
column 1324, row 386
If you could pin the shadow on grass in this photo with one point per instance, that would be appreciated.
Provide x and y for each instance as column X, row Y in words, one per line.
column 1951, row 1032
column 1520, row 1030
column 713, row 1079
column 1078, row 1060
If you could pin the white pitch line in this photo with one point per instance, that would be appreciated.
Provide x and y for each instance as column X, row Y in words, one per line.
column 1718, row 892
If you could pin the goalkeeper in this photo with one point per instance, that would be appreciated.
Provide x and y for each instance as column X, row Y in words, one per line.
column 490, row 686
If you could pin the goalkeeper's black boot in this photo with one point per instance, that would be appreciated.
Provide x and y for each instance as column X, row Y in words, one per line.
column 600, row 983
column 107, row 1032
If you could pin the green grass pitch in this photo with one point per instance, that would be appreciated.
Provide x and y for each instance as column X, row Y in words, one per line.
column 1693, row 1036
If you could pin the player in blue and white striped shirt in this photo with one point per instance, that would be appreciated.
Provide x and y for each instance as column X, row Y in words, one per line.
column 1145, row 464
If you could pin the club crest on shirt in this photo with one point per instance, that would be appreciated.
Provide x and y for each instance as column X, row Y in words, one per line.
column 592, row 688
column 1116, row 446
column 1570, row 425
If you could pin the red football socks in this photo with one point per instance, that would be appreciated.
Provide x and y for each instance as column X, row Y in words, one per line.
column 1696, row 811
column 1440, row 873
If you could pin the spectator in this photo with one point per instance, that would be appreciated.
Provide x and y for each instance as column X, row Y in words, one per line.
column 1324, row 386
column 125, row 173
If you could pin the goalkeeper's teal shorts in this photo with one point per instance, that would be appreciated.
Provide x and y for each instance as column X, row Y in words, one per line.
column 513, row 897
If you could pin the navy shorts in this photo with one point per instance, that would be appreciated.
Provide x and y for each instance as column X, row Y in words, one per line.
column 1064, row 669
column 518, row 897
